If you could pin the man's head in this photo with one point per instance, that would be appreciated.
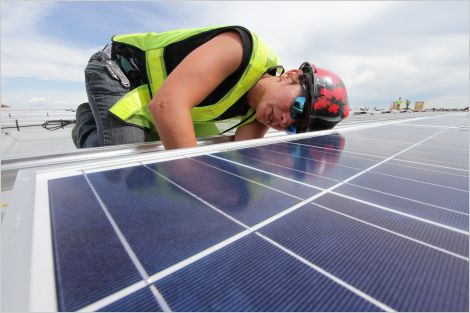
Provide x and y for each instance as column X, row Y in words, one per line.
column 278, row 92
column 306, row 99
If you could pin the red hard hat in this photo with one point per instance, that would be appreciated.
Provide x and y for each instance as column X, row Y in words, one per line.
column 327, row 97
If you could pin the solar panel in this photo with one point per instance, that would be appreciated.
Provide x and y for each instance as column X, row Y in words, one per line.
column 355, row 219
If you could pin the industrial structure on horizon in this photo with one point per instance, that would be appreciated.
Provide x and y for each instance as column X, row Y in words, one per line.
column 398, row 105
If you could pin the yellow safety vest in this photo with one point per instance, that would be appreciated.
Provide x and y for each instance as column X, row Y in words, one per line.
column 133, row 106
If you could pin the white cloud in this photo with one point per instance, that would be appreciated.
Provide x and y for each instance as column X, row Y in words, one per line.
column 382, row 49
column 28, row 53
column 21, row 16
column 285, row 25
column 425, row 71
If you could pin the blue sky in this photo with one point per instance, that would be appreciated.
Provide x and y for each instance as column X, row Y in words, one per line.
column 415, row 49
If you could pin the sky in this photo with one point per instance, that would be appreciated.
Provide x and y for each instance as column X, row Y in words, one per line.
column 416, row 50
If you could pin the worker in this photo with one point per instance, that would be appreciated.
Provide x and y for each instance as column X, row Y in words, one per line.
column 173, row 86
column 399, row 103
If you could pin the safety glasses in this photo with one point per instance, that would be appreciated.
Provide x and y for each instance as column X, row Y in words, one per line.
column 297, row 112
column 302, row 105
column 298, row 108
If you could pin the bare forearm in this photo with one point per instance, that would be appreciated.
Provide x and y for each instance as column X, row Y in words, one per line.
column 174, row 125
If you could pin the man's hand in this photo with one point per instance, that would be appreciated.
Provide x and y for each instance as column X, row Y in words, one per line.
column 251, row 130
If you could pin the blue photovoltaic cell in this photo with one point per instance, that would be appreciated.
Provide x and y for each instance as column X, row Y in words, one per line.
column 330, row 157
column 90, row 262
column 287, row 186
column 448, row 198
column 363, row 146
column 298, row 171
column 386, row 134
column 443, row 160
column 380, row 135
column 455, row 154
column 246, row 201
column 329, row 144
column 140, row 301
column 440, row 178
column 311, row 162
column 401, row 273
column 444, row 122
column 449, row 142
column 253, row 275
column 432, row 234
column 162, row 223
column 430, row 167
column 458, row 133
column 451, row 138
column 426, row 211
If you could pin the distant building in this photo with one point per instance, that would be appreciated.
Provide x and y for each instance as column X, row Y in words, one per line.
column 420, row 106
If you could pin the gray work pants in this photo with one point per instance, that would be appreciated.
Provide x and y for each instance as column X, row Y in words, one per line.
column 96, row 126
